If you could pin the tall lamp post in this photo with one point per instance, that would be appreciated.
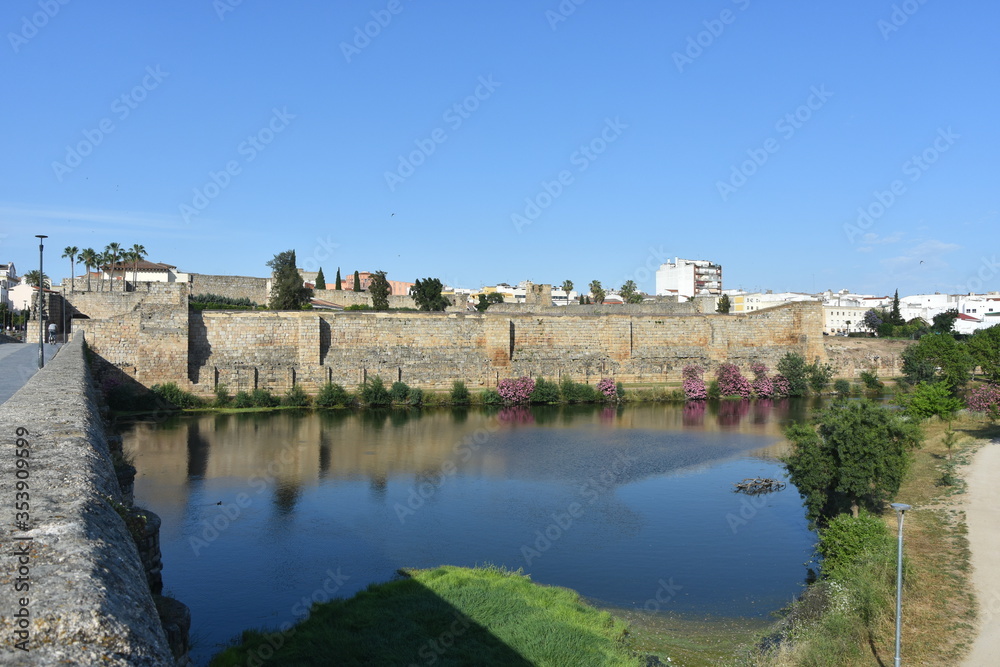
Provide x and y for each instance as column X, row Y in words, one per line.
column 900, row 510
column 41, row 289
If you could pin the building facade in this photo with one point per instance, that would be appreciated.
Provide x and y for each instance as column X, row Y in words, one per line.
column 689, row 278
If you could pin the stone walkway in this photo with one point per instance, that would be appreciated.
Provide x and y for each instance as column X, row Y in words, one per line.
column 18, row 362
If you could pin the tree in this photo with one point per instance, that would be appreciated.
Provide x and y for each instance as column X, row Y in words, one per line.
column 936, row 358
column 567, row 287
column 724, row 305
column 597, row 291
column 855, row 457
column 895, row 317
column 927, row 400
column 71, row 252
column 89, row 259
column 357, row 281
column 337, row 285
column 630, row 293
column 793, row 368
column 112, row 251
column 379, row 289
column 944, row 322
column 128, row 257
column 138, row 252
column 984, row 345
column 872, row 320
column 31, row 277
column 320, row 279
column 427, row 294
column 103, row 261
column 288, row 291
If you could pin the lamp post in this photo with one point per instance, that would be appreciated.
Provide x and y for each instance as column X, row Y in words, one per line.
column 900, row 510
column 41, row 288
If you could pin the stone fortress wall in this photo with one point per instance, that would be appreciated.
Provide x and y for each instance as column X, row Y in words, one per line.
column 158, row 340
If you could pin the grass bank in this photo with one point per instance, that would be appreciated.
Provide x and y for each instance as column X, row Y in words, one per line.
column 851, row 622
column 446, row 616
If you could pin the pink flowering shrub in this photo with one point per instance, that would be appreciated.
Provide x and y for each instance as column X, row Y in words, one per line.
column 781, row 385
column 608, row 388
column 985, row 398
column 762, row 385
column 732, row 382
column 694, row 385
column 516, row 391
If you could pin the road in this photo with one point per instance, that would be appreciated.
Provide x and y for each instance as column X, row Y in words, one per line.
column 18, row 362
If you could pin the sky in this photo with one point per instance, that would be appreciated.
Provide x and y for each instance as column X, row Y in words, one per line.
column 803, row 146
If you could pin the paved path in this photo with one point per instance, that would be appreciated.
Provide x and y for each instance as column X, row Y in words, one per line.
column 982, row 507
column 18, row 362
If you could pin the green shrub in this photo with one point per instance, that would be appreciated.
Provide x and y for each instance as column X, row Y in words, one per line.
column 374, row 393
column 222, row 397
column 794, row 369
column 842, row 387
column 847, row 541
column 262, row 398
column 713, row 389
column 415, row 397
column 399, row 392
column 459, row 393
column 242, row 400
column 819, row 376
column 332, row 395
column 490, row 397
column 573, row 392
column 545, row 392
column 871, row 381
column 176, row 396
column 620, row 391
column 296, row 397
column 927, row 400
column 359, row 306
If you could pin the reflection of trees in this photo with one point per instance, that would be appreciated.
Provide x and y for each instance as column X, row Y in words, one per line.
column 762, row 408
column 286, row 494
column 197, row 453
column 731, row 413
column 694, row 413
column 516, row 414
column 378, row 483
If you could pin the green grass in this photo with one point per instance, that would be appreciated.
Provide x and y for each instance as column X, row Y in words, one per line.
column 446, row 616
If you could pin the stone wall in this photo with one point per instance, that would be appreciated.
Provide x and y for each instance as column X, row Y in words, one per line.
column 85, row 599
column 101, row 305
column 258, row 290
column 248, row 350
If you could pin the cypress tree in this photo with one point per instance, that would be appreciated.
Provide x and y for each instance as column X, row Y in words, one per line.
column 320, row 279
column 357, row 281
column 337, row 286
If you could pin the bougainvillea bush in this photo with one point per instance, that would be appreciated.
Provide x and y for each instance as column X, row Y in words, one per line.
column 762, row 385
column 608, row 389
column 516, row 391
column 732, row 382
column 693, row 385
column 985, row 398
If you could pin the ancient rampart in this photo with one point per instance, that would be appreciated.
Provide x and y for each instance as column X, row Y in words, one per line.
column 75, row 591
column 161, row 341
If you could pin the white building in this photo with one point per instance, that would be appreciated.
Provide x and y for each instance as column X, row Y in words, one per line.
column 8, row 279
column 148, row 272
column 689, row 278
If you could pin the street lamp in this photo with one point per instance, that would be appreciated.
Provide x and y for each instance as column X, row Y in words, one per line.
column 41, row 288
column 900, row 510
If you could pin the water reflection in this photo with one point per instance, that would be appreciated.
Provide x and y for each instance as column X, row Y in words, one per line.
column 608, row 500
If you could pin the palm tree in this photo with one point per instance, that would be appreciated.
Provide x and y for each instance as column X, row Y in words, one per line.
column 89, row 259
column 103, row 259
column 31, row 277
column 114, row 250
column 125, row 259
column 567, row 287
column 71, row 251
column 138, row 253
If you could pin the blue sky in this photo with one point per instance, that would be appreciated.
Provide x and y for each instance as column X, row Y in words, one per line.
column 804, row 146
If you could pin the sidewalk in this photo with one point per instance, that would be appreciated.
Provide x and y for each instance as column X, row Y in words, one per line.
column 18, row 362
column 982, row 507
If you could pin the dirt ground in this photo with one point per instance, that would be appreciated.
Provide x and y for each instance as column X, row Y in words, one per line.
column 983, row 518
column 850, row 356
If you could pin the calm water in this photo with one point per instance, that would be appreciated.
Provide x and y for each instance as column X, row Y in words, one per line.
column 631, row 507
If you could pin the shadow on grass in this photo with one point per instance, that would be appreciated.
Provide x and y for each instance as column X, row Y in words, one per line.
column 399, row 623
